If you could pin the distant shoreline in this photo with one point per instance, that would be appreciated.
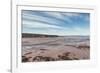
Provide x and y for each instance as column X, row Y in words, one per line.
column 30, row 35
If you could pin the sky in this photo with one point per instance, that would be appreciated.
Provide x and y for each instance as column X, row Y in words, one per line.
column 55, row 23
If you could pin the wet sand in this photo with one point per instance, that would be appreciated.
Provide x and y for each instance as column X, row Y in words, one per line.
column 55, row 49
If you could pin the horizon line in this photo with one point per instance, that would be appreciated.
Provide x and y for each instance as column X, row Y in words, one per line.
column 56, row 34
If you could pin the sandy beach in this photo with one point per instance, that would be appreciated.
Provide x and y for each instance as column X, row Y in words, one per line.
column 55, row 48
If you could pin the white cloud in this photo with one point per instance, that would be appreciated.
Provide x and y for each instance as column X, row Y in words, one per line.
column 34, row 24
column 54, row 14
column 81, row 31
column 70, row 14
column 59, row 15
column 41, row 18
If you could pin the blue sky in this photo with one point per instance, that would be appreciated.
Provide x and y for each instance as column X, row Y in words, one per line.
column 55, row 23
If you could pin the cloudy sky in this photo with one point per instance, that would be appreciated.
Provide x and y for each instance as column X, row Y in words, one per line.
column 55, row 23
